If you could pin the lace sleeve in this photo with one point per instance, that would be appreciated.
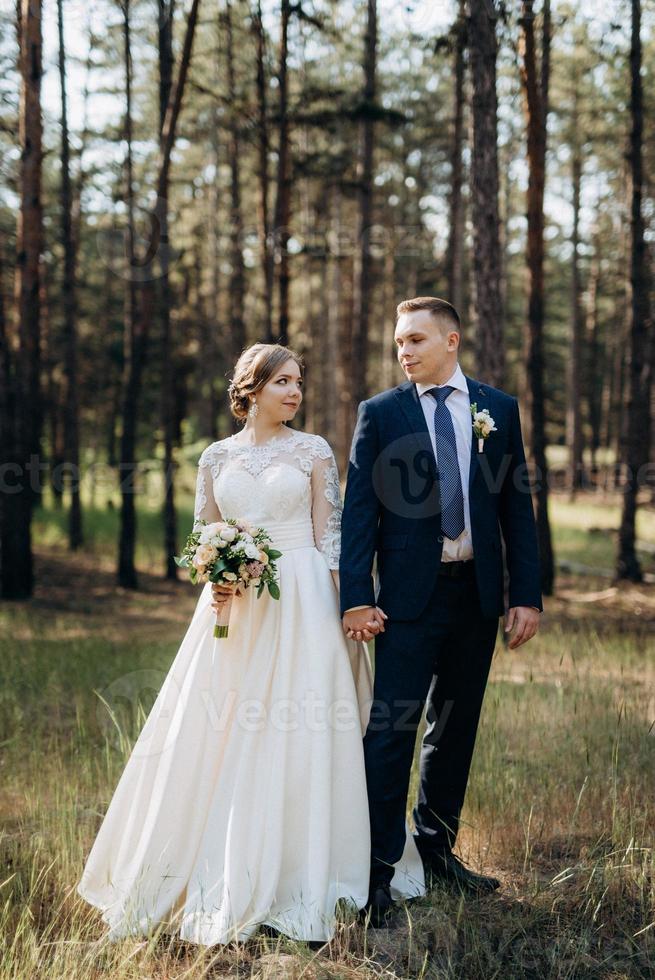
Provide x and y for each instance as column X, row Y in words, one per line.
column 205, row 507
column 326, row 503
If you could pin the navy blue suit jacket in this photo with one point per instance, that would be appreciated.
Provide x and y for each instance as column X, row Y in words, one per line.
column 392, row 507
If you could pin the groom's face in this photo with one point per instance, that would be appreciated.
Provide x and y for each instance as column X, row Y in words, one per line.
column 427, row 349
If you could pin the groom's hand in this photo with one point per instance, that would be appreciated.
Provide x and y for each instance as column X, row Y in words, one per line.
column 524, row 622
column 364, row 623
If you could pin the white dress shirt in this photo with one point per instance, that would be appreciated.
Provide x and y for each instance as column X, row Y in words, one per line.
column 459, row 406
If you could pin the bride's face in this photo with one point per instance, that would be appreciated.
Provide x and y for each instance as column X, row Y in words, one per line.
column 281, row 396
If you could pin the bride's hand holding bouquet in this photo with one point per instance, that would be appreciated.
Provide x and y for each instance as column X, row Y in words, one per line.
column 232, row 555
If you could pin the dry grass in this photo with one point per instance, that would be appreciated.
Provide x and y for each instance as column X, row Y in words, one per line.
column 561, row 804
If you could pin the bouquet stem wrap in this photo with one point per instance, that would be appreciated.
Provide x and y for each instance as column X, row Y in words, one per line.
column 222, row 625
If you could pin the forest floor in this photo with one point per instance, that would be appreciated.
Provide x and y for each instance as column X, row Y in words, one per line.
column 560, row 807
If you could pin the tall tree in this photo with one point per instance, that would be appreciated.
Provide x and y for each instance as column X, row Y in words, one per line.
column 166, row 65
column 138, row 321
column 263, row 150
column 490, row 341
column 71, row 408
column 575, row 381
column 134, row 347
column 23, row 430
column 636, row 444
column 536, row 101
column 282, row 213
column 363, row 270
column 237, row 275
column 455, row 253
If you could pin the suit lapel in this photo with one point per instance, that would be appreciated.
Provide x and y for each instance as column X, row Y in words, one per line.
column 477, row 395
column 410, row 404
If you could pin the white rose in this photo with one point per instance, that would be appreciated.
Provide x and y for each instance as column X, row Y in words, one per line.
column 228, row 533
column 252, row 551
column 484, row 422
column 205, row 554
column 218, row 542
column 209, row 531
column 229, row 576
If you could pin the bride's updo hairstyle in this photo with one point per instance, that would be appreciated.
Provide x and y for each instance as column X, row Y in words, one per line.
column 253, row 370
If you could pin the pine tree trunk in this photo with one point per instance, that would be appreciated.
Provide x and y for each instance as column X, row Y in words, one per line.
column 237, row 276
column 635, row 447
column 134, row 348
column 575, row 375
column 25, row 425
column 263, row 149
column 282, row 214
column 166, row 11
column 536, row 98
column 335, row 368
column 597, row 362
column 71, row 408
column 455, row 253
column 363, row 266
column 490, row 343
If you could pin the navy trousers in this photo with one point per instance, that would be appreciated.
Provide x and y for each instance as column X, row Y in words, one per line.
column 443, row 659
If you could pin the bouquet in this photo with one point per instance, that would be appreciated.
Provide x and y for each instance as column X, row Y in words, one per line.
column 230, row 553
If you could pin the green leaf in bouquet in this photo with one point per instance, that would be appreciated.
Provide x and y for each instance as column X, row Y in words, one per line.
column 274, row 590
column 218, row 570
column 182, row 562
column 272, row 553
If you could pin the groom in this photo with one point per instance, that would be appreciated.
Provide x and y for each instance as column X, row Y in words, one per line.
column 429, row 501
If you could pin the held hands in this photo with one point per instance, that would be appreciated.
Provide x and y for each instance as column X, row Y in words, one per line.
column 364, row 624
column 524, row 621
column 221, row 593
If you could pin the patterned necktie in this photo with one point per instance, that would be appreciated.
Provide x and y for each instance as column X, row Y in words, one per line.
column 450, row 480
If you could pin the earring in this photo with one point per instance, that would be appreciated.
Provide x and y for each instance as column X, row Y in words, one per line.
column 254, row 408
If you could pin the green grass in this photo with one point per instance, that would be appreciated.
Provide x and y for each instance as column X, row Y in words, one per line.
column 584, row 531
column 561, row 801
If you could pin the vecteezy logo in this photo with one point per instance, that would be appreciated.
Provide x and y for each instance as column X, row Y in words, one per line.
column 404, row 479
column 126, row 703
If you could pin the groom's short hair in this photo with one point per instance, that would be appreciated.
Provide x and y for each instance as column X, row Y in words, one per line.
column 441, row 310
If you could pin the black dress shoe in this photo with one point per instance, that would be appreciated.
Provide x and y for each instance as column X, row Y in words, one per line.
column 380, row 906
column 443, row 866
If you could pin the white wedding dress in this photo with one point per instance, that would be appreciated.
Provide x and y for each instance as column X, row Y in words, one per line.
column 243, row 801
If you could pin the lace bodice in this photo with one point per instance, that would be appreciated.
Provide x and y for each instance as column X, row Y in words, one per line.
column 292, row 477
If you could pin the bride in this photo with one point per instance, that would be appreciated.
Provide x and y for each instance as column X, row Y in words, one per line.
column 243, row 802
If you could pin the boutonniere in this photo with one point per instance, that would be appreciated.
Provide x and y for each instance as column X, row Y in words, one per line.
column 483, row 425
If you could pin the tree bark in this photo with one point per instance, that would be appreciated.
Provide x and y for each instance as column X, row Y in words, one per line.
column 490, row 344
column 455, row 253
column 575, row 375
column 71, row 408
column 237, row 276
column 134, row 350
column 263, row 149
column 635, row 447
column 363, row 267
column 282, row 214
column 24, row 428
column 536, row 100
column 166, row 61
column 597, row 362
